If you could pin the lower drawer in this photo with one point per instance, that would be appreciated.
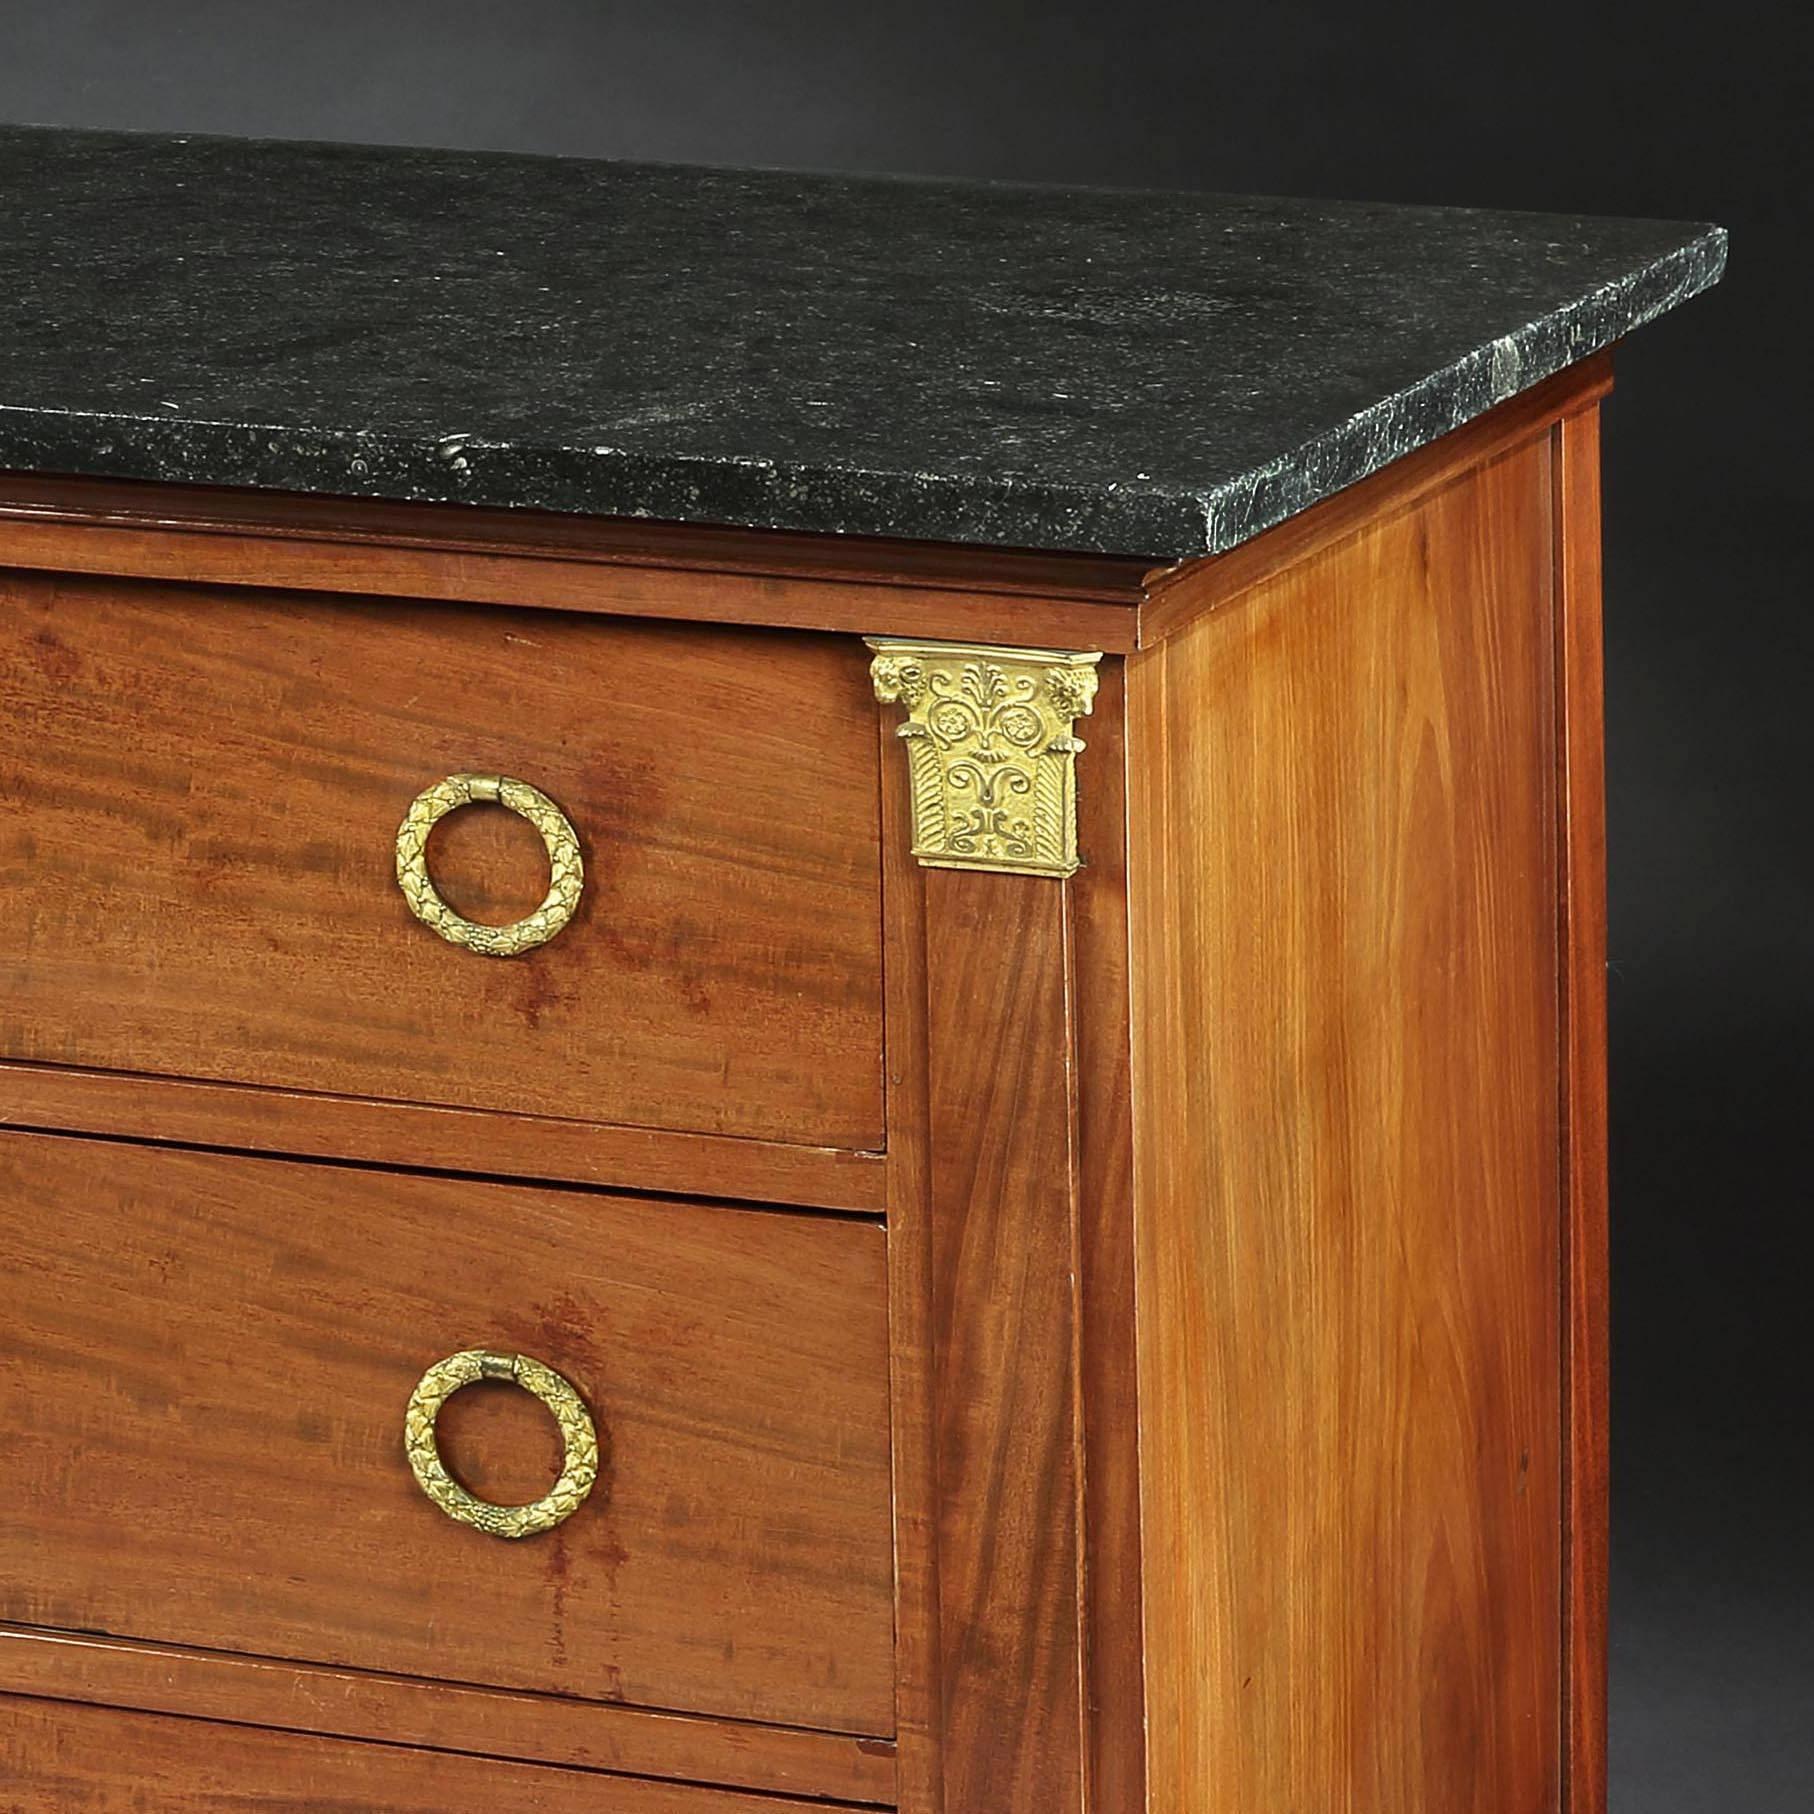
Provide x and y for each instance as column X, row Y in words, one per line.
column 204, row 1373
column 62, row 1759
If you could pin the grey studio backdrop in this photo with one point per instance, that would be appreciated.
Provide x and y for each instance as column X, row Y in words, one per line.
column 1710, row 496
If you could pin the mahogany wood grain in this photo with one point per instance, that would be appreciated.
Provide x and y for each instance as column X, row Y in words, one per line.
column 95, row 1760
column 1017, row 1498
column 1108, row 1436
column 1178, row 596
column 351, row 1703
column 203, row 791
column 201, row 1402
column 1576, row 456
column 450, row 552
column 919, row 1696
column 420, row 1135
column 983, row 1289
column 1003, row 1351
column 1347, row 1070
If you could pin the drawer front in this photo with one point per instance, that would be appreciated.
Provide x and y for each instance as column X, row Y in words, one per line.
column 202, row 792
column 61, row 1759
column 203, row 1389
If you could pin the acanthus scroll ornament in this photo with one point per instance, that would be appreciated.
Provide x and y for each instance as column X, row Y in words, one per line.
column 991, row 750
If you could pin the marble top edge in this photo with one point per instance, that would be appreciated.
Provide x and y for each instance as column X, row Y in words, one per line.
column 1455, row 396
column 1155, row 374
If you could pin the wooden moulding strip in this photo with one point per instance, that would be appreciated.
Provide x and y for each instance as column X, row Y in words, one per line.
column 301, row 1124
column 446, row 1716
column 455, row 553
column 1582, row 861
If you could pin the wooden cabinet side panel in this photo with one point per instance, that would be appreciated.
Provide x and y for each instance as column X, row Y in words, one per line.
column 1345, row 917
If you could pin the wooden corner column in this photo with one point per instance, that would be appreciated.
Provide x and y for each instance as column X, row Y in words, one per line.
column 1021, row 1686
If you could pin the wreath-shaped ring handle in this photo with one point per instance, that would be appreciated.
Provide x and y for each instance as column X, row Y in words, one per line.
column 566, row 872
column 579, row 1440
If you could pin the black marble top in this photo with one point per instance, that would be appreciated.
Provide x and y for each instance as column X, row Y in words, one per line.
column 1122, row 372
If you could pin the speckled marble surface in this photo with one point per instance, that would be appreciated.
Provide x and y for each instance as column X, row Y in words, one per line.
column 1112, row 371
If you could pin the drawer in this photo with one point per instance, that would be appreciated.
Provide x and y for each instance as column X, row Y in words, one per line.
column 93, row 1760
column 203, row 1388
column 202, row 794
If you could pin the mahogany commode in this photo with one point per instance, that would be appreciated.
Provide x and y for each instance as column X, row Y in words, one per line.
column 930, row 856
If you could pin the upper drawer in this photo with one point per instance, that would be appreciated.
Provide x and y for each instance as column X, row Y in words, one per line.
column 200, row 795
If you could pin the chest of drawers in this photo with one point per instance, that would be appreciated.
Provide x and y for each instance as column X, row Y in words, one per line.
column 1010, row 1048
